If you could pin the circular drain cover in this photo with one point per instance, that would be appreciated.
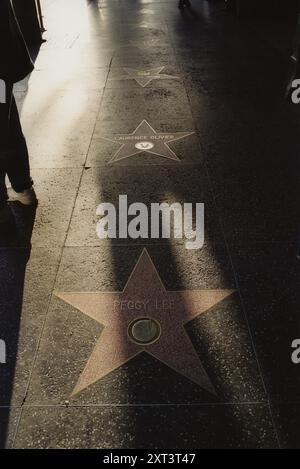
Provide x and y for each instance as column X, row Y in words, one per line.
column 144, row 331
column 144, row 145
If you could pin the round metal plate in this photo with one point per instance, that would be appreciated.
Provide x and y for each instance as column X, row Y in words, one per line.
column 144, row 331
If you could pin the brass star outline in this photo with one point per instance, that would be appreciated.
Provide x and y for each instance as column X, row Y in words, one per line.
column 155, row 143
column 116, row 311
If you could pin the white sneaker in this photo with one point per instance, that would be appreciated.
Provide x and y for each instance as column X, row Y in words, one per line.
column 27, row 197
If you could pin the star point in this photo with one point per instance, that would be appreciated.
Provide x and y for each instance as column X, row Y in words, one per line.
column 146, row 76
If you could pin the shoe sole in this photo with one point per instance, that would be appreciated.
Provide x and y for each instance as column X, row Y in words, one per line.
column 28, row 203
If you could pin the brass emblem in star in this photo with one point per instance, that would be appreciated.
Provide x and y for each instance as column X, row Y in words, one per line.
column 144, row 317
column 146, row 140
column 144, row 77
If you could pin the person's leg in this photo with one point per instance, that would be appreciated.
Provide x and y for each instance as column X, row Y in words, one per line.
column 4, row 113
column 3, row 191
column 17, row 167
column 7, row 222
column 18, row 162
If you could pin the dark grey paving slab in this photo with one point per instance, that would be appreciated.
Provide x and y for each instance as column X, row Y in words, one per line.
column 26, row 288
column 254, row 177
column 197, row 42
column 137, row 55
column 9, row 418
column 270, row 150
column 166, row 102
column 287, row 421
column 268, row 276
column 246, row 426
column 142, row 184
column 212, row 57
column 214, row 120
column 254, row 211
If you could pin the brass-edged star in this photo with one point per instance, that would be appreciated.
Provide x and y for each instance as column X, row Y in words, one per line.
column 144, row 317
column 146, row 140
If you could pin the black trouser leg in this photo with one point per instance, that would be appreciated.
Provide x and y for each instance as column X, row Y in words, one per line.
column 18, row 165
column 3, row 192
column 14, row 160
column 4, row 113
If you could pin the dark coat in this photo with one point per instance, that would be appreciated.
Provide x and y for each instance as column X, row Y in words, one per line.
column 15, row 62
